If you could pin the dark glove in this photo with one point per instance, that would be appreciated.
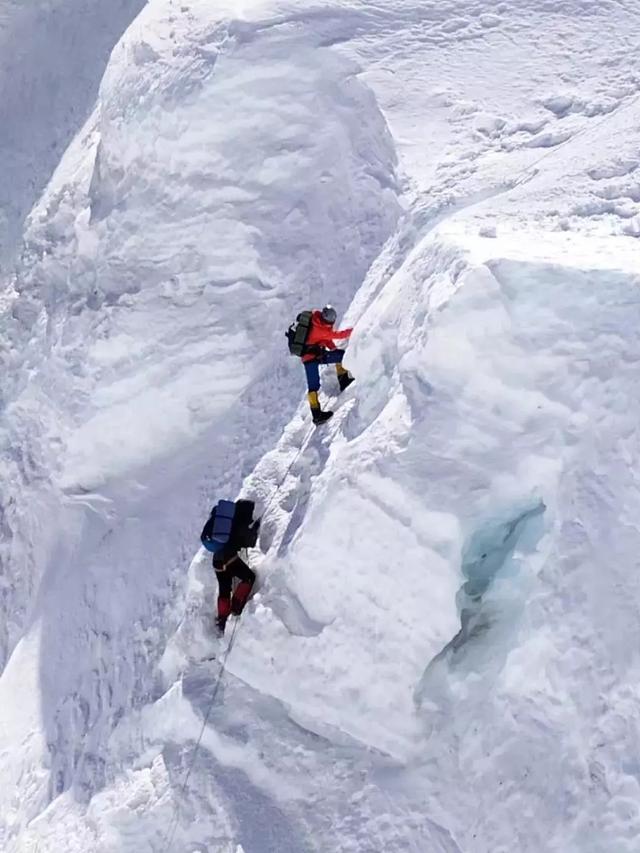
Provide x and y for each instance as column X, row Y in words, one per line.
column 252, row 538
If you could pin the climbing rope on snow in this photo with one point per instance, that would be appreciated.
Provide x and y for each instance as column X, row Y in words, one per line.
column 301, row 449
column 223, row 663
column 303, row 446
column 196, row 748
column 531, row 170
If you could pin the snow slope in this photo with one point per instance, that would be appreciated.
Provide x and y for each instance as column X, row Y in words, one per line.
column 52, row 56
column 440, row 655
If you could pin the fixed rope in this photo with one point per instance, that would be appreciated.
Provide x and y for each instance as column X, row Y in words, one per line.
column 223, row 663
column 196, row 748
column 301, row 449
column 588, row 128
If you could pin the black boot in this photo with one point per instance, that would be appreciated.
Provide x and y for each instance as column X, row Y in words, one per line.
column 319, row 417
column 344, row 380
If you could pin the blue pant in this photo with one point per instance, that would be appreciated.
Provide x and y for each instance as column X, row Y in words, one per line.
column 312, row 368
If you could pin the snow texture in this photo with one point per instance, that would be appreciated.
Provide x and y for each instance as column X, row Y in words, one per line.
column 442, row 651
column 52, row 56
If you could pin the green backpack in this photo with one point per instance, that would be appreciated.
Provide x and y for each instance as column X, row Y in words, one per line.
column 298, row 333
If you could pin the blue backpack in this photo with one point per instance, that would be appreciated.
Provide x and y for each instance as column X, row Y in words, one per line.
column 230, row 524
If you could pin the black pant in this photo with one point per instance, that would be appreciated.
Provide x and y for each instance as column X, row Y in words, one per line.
column 230, row 565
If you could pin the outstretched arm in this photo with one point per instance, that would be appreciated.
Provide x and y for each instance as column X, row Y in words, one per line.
column 339, row 336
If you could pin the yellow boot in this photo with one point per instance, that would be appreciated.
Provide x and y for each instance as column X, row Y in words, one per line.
column 319, row 417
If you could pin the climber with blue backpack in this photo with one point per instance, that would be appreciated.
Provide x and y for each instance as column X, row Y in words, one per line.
column 230, row 528
column 312, row 338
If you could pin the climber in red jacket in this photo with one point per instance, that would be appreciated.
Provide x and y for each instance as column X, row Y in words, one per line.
column 321, row 349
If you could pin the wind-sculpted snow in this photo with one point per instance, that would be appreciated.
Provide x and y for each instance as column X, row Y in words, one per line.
column 441, row 651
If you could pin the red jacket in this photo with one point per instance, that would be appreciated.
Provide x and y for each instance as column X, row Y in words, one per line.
column 321, row 334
